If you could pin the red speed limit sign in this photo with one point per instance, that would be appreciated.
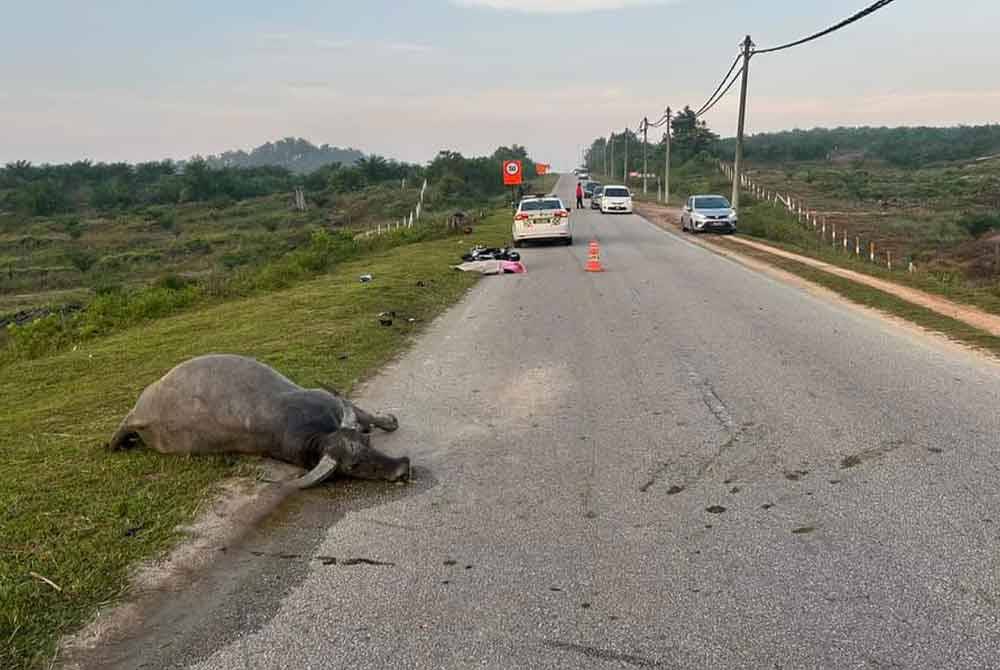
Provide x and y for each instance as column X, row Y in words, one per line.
column 511, row 173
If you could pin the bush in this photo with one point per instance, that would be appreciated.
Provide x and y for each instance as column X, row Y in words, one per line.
column 280, row 274
column 165, row 219
column 978, row 224
column 73, row 228
column 115, row 311
column 39, row 336
column 81, row 260
column 172, row 282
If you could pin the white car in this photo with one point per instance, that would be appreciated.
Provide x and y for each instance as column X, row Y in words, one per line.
column 616, row 199
column 708, row 213
column 542, row 218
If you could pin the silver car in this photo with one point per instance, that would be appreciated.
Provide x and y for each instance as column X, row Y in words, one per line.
column 708, row 213
column 595, row 197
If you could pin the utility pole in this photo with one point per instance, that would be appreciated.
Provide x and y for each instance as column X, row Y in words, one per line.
column 625, row 167
column 666, row 174
column 611, row 171
column 645, row 165
column 748, row 46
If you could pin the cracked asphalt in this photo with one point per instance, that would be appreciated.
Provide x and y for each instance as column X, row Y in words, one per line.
column 678, row 463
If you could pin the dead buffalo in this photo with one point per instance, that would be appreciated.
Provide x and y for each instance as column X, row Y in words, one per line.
column 232, row 404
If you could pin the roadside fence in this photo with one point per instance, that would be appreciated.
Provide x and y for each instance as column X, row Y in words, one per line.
column 825, row 230
column 405, row 222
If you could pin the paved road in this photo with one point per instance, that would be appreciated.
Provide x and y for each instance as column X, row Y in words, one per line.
column 679, row 463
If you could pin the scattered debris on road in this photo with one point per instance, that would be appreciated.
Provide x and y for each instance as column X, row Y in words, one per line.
column 480, row 253
column 493, row 267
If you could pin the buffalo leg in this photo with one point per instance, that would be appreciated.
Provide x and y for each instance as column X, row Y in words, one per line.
column 366, row 420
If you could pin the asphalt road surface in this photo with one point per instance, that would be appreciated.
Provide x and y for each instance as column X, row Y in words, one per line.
column 678, row 463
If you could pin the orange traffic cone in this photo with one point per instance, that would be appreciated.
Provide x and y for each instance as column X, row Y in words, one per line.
column 594, row 258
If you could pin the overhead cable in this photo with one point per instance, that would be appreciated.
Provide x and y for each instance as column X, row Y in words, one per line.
column 712, row 103
column 721, row 84
column 846, row 22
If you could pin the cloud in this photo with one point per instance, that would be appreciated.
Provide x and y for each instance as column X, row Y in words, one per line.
column 558, row 6
column 306, row 84
column 276, row 37
column 334, row 44
column 408, row 47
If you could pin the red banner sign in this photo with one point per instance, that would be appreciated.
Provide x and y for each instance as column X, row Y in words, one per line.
column 512, row 174
column 542, row 168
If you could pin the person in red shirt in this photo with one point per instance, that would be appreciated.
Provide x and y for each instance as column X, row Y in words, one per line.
column 579, row 195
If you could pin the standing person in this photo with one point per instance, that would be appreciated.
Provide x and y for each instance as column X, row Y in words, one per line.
column 579, row 195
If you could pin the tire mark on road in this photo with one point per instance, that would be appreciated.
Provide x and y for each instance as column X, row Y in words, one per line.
column 604, row 654
column 712, row 400
column 660, row 471
column 722, row 415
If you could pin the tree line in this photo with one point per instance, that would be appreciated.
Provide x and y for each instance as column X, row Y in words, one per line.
column 298, row 155
column 690, row 138
column 903, row 147
column 46, row 190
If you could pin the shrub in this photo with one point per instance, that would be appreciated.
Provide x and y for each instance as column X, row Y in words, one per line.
column 167, row 220
column 82, row 260
column 73, row 228
column 977, row 224
column 39, row 336
column 172, row 282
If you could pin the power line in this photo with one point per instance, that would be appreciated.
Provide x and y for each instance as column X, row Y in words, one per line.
column 661, row 122
column 712, row 103
column 708, row 104
column 846, row 22
column 721, row 84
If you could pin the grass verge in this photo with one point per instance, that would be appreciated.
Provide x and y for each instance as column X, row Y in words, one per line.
column 872, row 297
column 79, row 516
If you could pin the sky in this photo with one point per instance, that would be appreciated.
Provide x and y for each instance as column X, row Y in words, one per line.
column 122, row 80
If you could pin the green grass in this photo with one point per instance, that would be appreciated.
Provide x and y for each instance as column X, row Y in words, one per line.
column 872, row 297
column 41, row 258
column 544, row 184
column 117, row 309
column 81, row 516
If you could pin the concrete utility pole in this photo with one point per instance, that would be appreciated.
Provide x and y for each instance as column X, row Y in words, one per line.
column 666, row 174
column 645, row 165
column 611, row 171
column 625, row 168
column 748, row 46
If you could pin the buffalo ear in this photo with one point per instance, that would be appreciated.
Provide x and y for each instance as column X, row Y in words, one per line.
column 327, row 387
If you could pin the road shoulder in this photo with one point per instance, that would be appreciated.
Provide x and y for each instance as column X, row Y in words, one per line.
column 950, row 321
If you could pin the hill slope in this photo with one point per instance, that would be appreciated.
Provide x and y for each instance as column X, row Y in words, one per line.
column 293, row 153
